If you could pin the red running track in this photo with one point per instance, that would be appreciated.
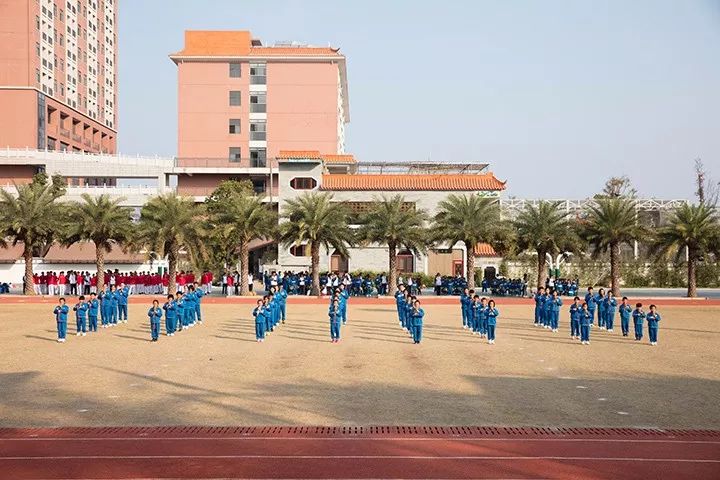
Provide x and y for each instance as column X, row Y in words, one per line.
column 358, row 453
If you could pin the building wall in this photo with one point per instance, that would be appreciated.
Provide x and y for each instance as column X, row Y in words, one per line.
column 69, row 56
column 17, row 174
column 204, row 109
column 302, row 107
column 18, row 129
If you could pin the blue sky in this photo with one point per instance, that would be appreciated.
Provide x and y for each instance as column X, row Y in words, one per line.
column 556, row 95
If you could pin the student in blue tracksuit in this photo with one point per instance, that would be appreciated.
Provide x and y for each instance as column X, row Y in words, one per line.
column 180, row 309
column 101, row 298
column 483, row 317
column 474, row 317
column 548, row 309
column 93, row 307
column 114, row 302
column 590, row 301
column 586, row 320
column 600, row 301
column 189, row 307
column 625, row 313
column 155, row 313
column 575, row 314
column 269, row 306
column 638, row 317
column 259, row 315
column 335, row 320
column 610, row 308
column 123, row 293
column 653, row 319
column 556, row 303
column 283, row 303
column 199, row 294
column 539, row 305
column 61, row 313
column 399, row 299
column 418, row 315
column 464, row 302
column 344, row 297
column 408, row 314
column 80, row 310
column 170, row 315
column 492, row 314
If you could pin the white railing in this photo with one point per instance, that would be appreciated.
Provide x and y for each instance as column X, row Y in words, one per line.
column 121, row 191
column 14, row 154
column 514, row 205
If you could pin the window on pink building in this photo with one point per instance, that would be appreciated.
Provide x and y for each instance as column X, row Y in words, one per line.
column 235, row 70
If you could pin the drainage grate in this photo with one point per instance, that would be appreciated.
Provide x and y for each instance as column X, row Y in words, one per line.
column 409, row 431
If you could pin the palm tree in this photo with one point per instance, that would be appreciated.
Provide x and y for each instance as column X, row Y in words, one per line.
column 315, row 219
column 169, row 223
column 102, row 221
column 240, row 220
column 31, row 218
column 543, row 228
column 694, row 230
column 392, row 223
column 608, row 224
column 470, row 219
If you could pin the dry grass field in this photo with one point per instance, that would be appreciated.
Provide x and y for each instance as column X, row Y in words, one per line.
column 216, row 374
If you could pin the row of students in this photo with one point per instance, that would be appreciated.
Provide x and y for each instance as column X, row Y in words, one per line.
column 411, row 315
column 270, row 311
column 337, row 311
column 547, row 309
column 110, row 306
column 479, row 315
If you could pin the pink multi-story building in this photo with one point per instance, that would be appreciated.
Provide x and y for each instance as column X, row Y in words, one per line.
column 58, row 75
column 241, row 103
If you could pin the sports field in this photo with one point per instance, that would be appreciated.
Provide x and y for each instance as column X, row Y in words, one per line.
column 216, row 374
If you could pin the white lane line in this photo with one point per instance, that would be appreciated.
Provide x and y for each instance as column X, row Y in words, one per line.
column 361, row 457
column 399, row 439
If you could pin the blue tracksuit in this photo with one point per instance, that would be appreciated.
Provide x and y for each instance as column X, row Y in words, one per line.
column 638, row 317
column 600, row 301
column 625, row 312
column 61, row 313
column 556, row 303
column 417, row 324
column 344, row 296
column 259, row 314
column 123, row 295
column 575, row 313
column 465, row 302
column 547, row 311
column 398, row 300
column 590, row 300
column 610, row 308
column 199, row 294
column 653, row 320
column 114, row 302
column 586, row 319
column 170, row 316
column 539, row 307
column 155, row 315
column 492, row 314
column 475, row 323
column 94, row 306
column 408, row 316
column 104, row 297
column 189, row 309
column 283, row 304
column 81, row 317
column 180, row 309
column 335, row 321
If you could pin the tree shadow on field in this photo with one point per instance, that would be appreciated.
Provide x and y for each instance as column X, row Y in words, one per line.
column 661, row 401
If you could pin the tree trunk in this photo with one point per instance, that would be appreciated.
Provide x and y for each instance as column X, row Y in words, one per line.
column 470, row 263
column 691, row 274
column 392, row 269
column 244, row 267
column 315, row 267
column 172, row 268
column 100, row 267
column 615, row 268
column 28, row 288
column 540, row 268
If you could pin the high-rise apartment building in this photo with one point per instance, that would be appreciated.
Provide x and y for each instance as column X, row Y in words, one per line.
column 58, row 75
column 240, row 104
